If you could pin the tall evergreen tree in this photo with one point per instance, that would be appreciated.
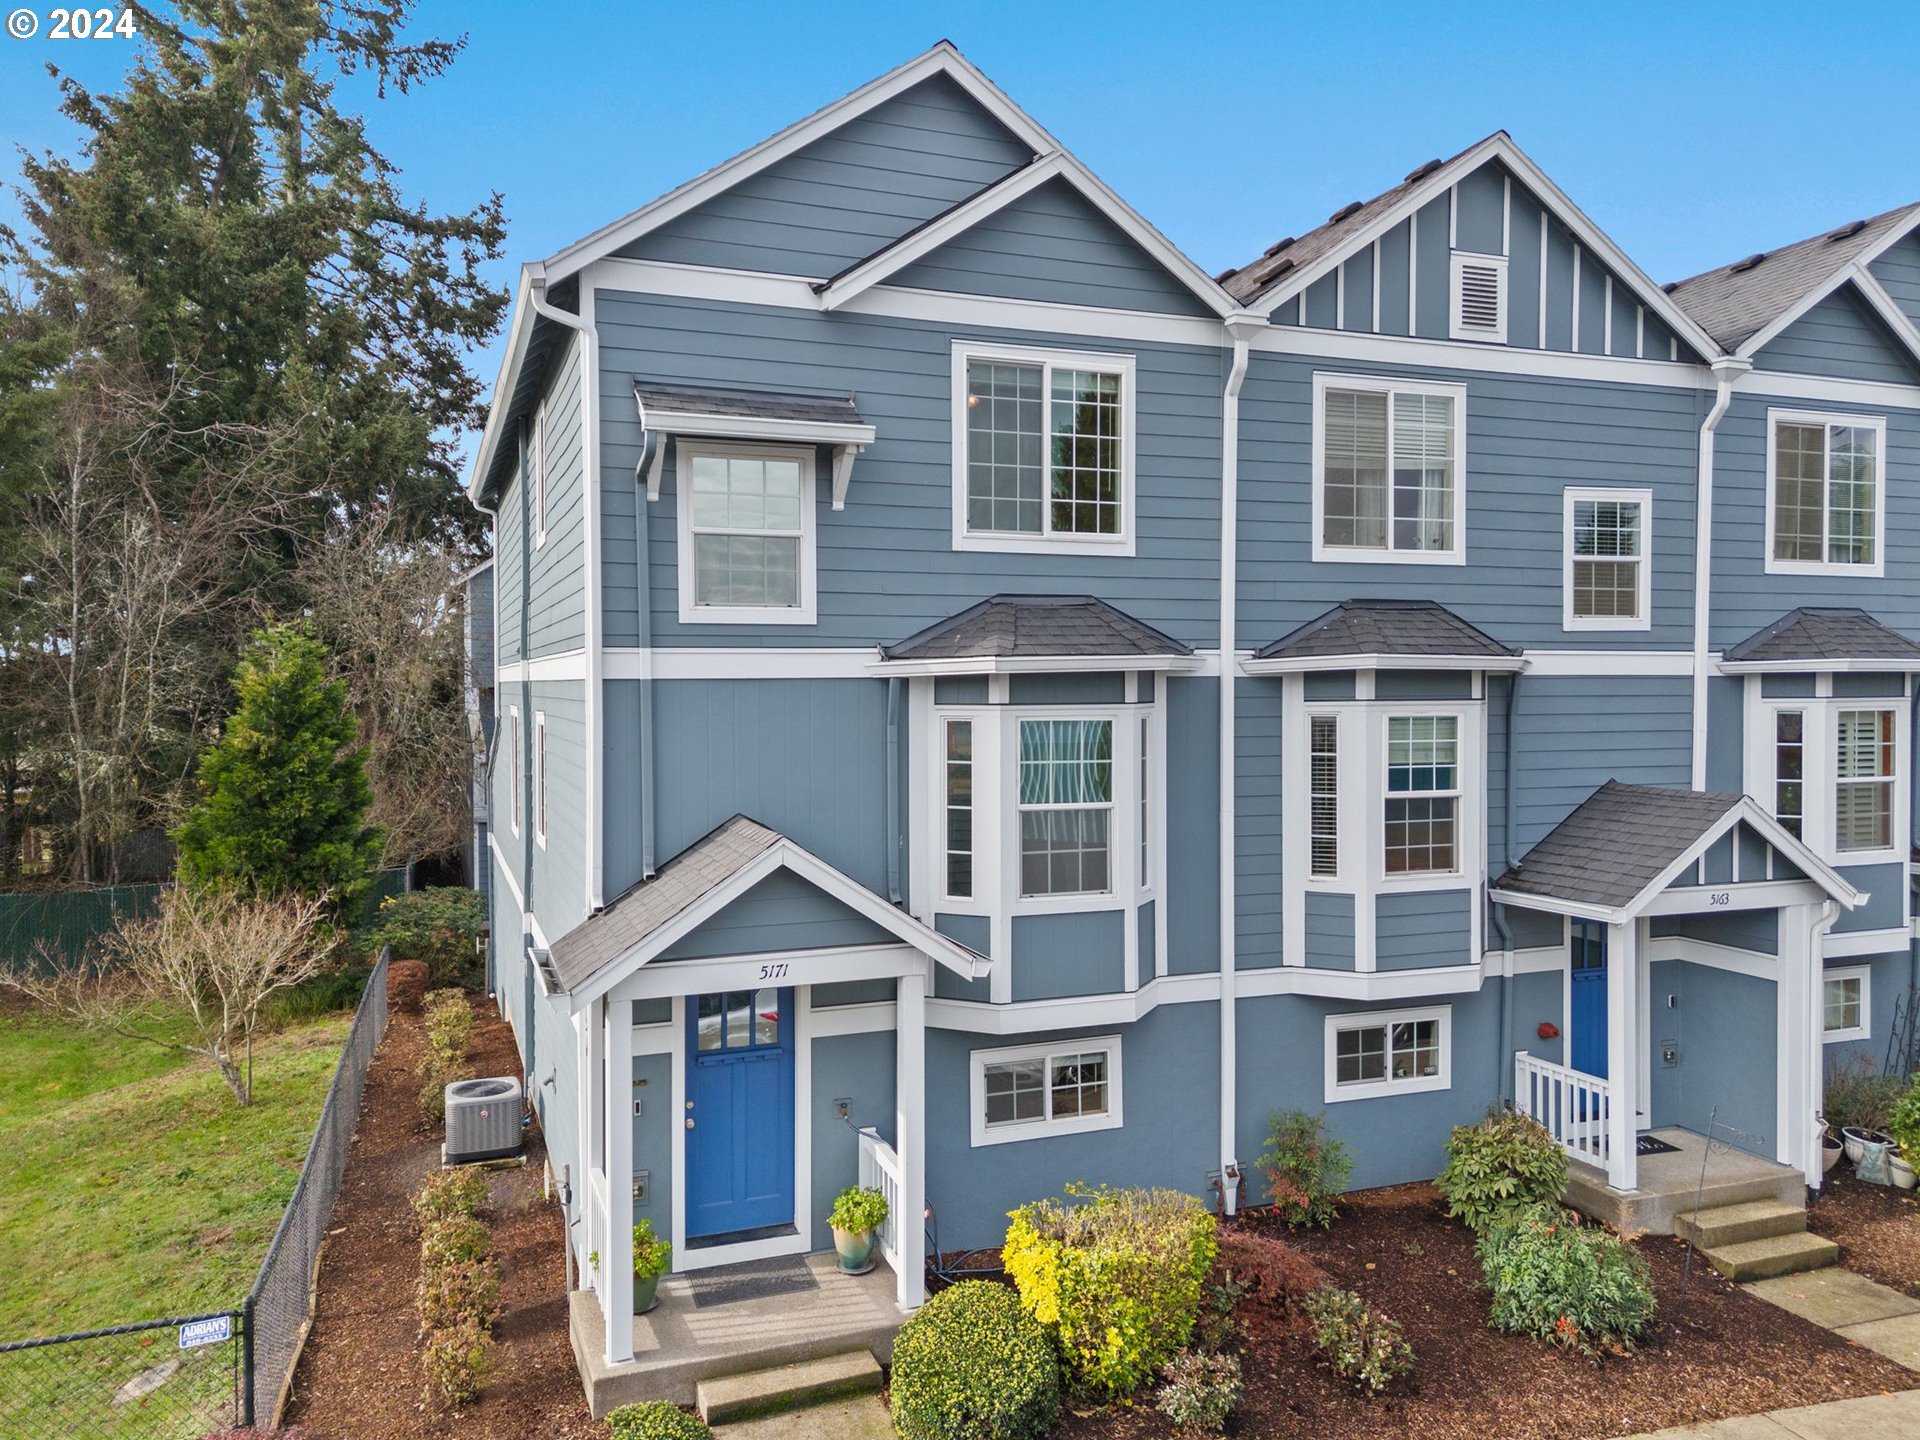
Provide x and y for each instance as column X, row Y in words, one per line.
column 284, row 792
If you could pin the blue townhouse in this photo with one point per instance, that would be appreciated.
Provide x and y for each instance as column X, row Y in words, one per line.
column 978, row 703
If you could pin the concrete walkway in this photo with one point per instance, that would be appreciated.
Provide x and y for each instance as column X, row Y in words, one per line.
column 1871, row 1417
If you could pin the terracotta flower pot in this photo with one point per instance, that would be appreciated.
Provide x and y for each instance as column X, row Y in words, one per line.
column 855, row 1249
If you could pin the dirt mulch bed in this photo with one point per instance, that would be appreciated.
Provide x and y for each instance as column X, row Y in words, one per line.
column 1716, row 1352
column 359, row 1377
column 1876, row 1226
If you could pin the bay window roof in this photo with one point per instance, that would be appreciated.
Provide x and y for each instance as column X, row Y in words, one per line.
column 1385, row 634
column 1036, row 632
column 1823, row 637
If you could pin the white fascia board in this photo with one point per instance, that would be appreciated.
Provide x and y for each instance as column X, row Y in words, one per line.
column 1035, row 665
column 1819, row 667
column 941, row 59
column 1501, row 664
column 1554, row 905
column 1749, row 811
column 1875, row 294
column 517, row 338
column 1855, row 265
column 695, row 425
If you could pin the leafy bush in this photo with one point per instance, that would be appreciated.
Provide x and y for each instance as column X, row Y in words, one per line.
column 655, row 1420
column 1903, row 1120
column 1555, row 1279
column 454, row 1194
column 971, row 1364
column 1218, row 1331
column 1860, row 1096
column 1200, row 1392
column 454, row 1241
column 1306, row 1168
column 454, row 1363
column 449, row 1022
column 440, row 927
column 858, row 1209
column 461, row 1291
column 457, row 1297
column 650, row 1256
column 1117, row 1275
column 1358, row 1343
column 1280, row 1277
column 1500, row 1167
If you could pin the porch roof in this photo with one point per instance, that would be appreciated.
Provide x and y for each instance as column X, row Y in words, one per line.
column 1626, row 843
column 697, row 884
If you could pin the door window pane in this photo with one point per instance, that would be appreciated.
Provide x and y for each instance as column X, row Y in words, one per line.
column 709, row 1027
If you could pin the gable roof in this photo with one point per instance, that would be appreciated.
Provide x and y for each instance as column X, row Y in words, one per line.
column 1039, row 627
column 1823, row 637
column 1365, row 633
column 1625, row 843
column 1748, row 303
column 1271, row 280
column 696, row 885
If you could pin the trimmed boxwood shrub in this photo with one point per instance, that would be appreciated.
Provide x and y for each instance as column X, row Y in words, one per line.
column 1506, row 1164
column 1556, row 1279
column 1116, row 1275
column 456, row 1194
column 970, row 1364
column 655, row 1420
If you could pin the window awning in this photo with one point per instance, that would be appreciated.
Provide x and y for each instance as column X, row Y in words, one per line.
column 1008, row 634
column 717, row 412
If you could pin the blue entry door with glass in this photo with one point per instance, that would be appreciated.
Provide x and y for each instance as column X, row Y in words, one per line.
column 1587, row 1046
column 739, row 1114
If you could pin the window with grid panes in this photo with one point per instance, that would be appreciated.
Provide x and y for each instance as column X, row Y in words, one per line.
column 1423, row 795
column 1044, row 449
column 1608, row 557
column 1825, row 502
column 1863, row 783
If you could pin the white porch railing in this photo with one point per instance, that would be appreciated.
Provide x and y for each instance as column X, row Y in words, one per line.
column 1570, row 1103
column 880, row 1169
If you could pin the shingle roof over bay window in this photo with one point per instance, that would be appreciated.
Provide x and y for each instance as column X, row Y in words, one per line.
column 1032, row 627
column 1378, row 632
column 1817, row 636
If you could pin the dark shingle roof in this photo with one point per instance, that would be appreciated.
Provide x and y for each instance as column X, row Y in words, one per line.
column 1036, row 625
column 602, row 939
column 1616, row 843
column 1824, row 633
column 1737, row 301
column 1280, row 261
column 1386, row 627
column 744, row 404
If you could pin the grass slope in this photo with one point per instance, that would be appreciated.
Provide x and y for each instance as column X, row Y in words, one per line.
column 131, row 1186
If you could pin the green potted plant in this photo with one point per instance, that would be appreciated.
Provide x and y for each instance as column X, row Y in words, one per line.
column 858, row 1212
column 651, row 1258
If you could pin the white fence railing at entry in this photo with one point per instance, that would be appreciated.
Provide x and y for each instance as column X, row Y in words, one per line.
column 880, row 1170
column 1570, row 1103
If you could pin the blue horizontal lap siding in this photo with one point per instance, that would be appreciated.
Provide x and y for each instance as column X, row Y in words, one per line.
column 1061, row 955
column 556, row 891
column 976, row 933
column 1052, row 245
column 1193, row 826
column 1527, row 440
column 850, row 192
column 1898, row 271
column 1840, row 336
column 652, row 1141
column 887, row 564
column 1886, row 890
column 1723, row 1027
column 782, row 912
column 1259, row 784
column 555, row 595
column 1329, row 930
column 511, row 544
column 1417, row 929
column 860, row 1070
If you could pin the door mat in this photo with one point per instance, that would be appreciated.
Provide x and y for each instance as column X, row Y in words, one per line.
column 757, row 1282
column 1653, row 1145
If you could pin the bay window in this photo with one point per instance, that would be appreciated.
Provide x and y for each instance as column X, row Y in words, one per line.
column 1832, row 767
column 1389, row 457
column 1863, row 780
column 1423, row 794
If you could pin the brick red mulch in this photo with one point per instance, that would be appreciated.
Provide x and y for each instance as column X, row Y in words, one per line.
column 1876, row 1226
column 1716, row 1351
column 359, row 1376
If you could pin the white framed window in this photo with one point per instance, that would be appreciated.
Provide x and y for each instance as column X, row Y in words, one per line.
column 1420, row 823
column 747, row 547
column 1043, row 450
column 1848, row 1012
column 540, row 778
column 1826, row 493
column 1479, row 297
column 1323, row 795
column 1607, row 572
column 1388, row 1052
column 1790, row 770
column 1065, row 803
column 540, row 475
column 1065, row 1087
column 957, row 761
column 513, row 768
column 1143, row 782
column 1389, row 470
column 1864, row 765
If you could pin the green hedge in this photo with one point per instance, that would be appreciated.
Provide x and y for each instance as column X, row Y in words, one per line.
column 655, row 1420
column 970, row 1364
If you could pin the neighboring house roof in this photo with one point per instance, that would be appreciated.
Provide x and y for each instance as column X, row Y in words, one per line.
column 1818, row 633
column 1379, row 631
column 1755, row 297
column 1624, row 843
column 1035, row 626
column 722, row 401
column 696, row 885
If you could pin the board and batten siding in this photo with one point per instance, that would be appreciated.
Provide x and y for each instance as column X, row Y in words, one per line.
column 1841, row 336
column 849, row 193
column 887, row 566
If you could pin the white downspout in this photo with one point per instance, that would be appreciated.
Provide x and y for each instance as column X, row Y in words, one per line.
column 590, row 569
column 1727, row 371
column 1240, row 329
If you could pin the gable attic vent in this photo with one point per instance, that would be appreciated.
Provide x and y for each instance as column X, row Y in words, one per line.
column 1741, row 266
column 1847, row 231
column 1479, row 297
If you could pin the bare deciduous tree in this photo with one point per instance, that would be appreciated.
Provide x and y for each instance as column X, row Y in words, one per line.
column 218, row 956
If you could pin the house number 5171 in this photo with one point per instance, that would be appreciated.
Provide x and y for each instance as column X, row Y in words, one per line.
column 774, row 972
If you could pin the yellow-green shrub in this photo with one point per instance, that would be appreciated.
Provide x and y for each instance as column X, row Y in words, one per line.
column 1117, row 1275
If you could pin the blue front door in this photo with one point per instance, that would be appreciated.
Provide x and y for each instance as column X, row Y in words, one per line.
column 739, row 1114
column 1587, row 1046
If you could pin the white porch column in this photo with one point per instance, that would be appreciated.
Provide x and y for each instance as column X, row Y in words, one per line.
column 1799, row 996
column 910, row 1135
column 1623, row 1065
column 616, row 1250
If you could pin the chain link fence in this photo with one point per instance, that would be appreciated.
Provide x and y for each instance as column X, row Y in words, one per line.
column 179, row 1379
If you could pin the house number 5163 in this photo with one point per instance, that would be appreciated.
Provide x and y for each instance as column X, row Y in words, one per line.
column 1720, row 897
column 774, row 972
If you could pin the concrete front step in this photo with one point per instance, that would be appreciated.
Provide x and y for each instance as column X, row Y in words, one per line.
column 787, row 1387
column 1748, row 1220
column 1774, row 1255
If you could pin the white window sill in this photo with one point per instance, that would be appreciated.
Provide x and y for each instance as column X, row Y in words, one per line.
column 749, row 615
column 1361, row 555
column 1119, row 547
column 1425, row 880
column 1893, row 856
column 1838, row 1037
column 1044, row 1129
column 1875, row 571
column 1381, row 1089
column 1594, row 624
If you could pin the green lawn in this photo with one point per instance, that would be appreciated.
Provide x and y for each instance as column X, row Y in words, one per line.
column 131, row 1186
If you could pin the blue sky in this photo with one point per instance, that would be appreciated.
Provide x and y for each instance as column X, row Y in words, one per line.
column 1692, row 133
